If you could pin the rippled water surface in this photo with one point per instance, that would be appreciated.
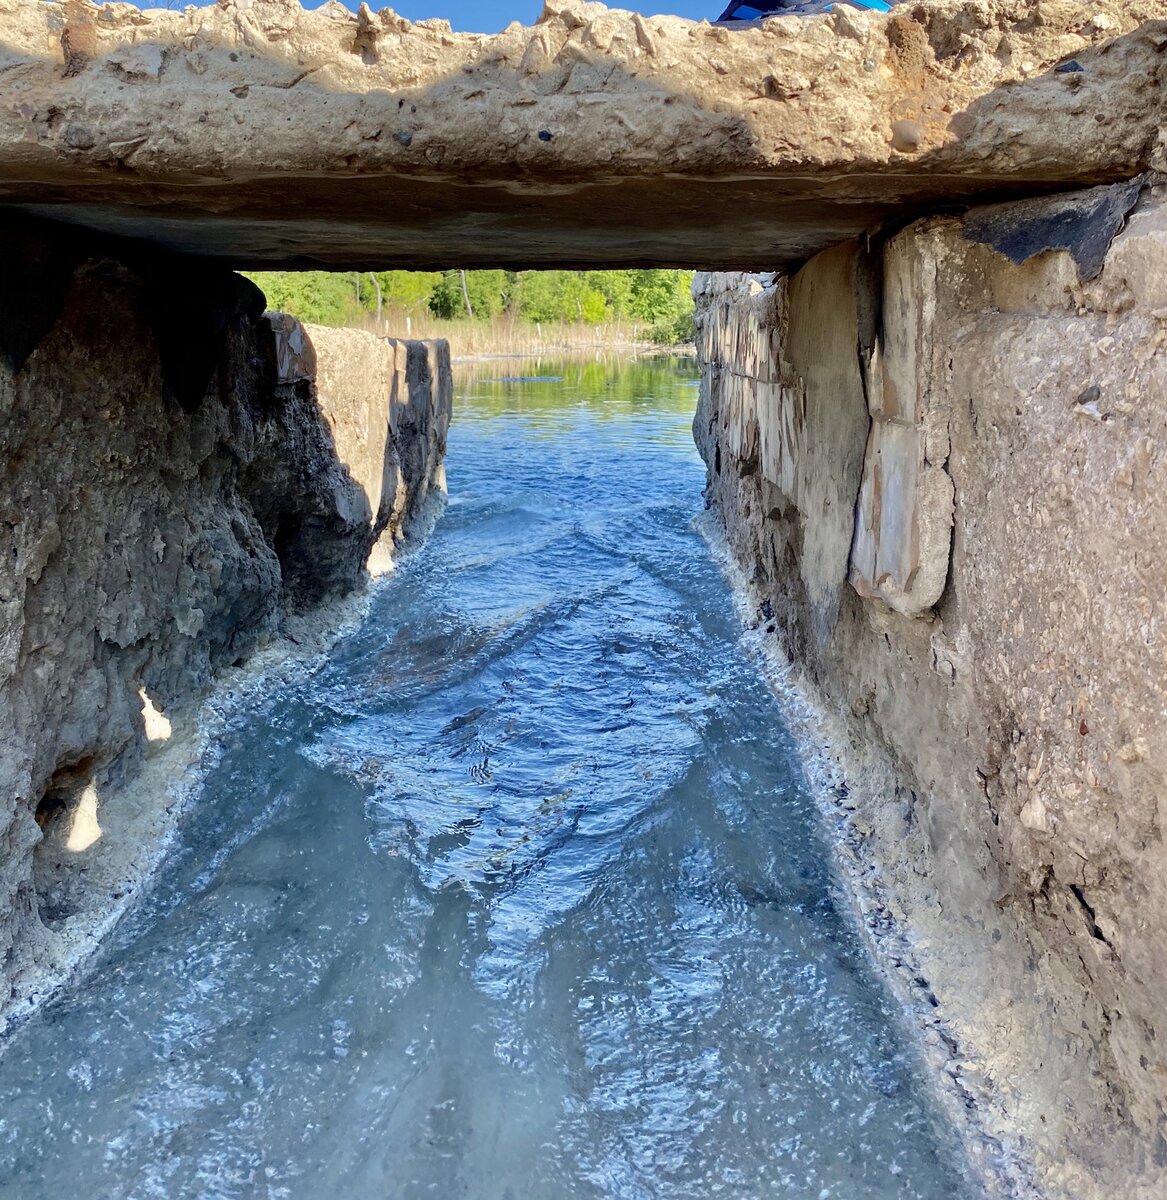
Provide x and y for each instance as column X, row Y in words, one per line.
column 521, row 897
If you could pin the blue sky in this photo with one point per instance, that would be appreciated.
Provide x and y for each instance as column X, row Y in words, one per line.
column 489, row 16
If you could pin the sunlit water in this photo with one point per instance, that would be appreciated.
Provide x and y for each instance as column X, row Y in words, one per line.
column 522, row 897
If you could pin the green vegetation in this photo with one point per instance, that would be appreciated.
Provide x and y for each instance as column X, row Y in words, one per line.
column 654, row 303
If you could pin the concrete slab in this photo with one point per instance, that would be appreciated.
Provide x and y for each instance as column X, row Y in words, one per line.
column 261, row 134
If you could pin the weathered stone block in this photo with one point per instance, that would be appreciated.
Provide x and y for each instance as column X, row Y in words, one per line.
column 827, row 417
column 294, row 352
column 903, row 520
column 789, row 398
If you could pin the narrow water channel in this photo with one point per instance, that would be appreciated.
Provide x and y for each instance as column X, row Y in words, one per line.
column 522, row 896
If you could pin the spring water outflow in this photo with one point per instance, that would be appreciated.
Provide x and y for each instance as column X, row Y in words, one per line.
column 522, row 896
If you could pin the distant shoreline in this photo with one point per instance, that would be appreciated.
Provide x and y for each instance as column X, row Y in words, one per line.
column 639, row 349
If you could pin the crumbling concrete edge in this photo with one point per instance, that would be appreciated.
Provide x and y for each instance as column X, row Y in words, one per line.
column 178, row 768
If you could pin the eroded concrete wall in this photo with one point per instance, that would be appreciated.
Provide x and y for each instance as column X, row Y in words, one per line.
column 259, row 133
column 180, row 472
column 385, row 404
column 992, row 677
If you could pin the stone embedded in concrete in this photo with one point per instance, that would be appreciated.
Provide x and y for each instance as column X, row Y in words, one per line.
column 782, row 372
column 294, row 352
column 258, row 133
column 903, row 520
column 1004, row 753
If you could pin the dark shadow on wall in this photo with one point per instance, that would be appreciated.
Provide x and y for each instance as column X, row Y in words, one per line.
column 190, row 303
column 168, row 499
column 213, row 345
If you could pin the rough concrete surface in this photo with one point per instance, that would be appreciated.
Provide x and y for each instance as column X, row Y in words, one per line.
column 260, row 133
column 386, row 406
column 1003, row 751
column 149, row 540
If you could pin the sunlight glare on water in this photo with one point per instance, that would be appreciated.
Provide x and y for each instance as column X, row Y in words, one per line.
column 522, row 897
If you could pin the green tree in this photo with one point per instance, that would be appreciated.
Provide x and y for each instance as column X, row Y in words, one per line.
column 538, row 295
column 318, row 297
column 409, row 289
column 446, row 297
column 561, row 296
column 664, row 299
column 656, row 294
column 487, row 290
column 657, row 297
column 616, row 288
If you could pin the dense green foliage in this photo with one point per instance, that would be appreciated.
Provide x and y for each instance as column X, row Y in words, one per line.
column 656, row 298
column 488, row 292
column 322, row 297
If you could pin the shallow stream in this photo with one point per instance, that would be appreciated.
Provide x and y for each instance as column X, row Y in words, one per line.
column 521, row 896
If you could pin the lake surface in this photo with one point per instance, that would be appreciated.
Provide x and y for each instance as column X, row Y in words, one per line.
column 521, row 896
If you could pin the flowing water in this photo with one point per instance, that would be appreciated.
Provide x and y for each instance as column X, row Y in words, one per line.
column 522, row 896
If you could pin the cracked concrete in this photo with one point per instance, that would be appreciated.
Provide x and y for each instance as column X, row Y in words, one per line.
column 260, row 134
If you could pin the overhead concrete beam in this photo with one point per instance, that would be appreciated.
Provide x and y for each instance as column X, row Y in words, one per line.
column 260, row 134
